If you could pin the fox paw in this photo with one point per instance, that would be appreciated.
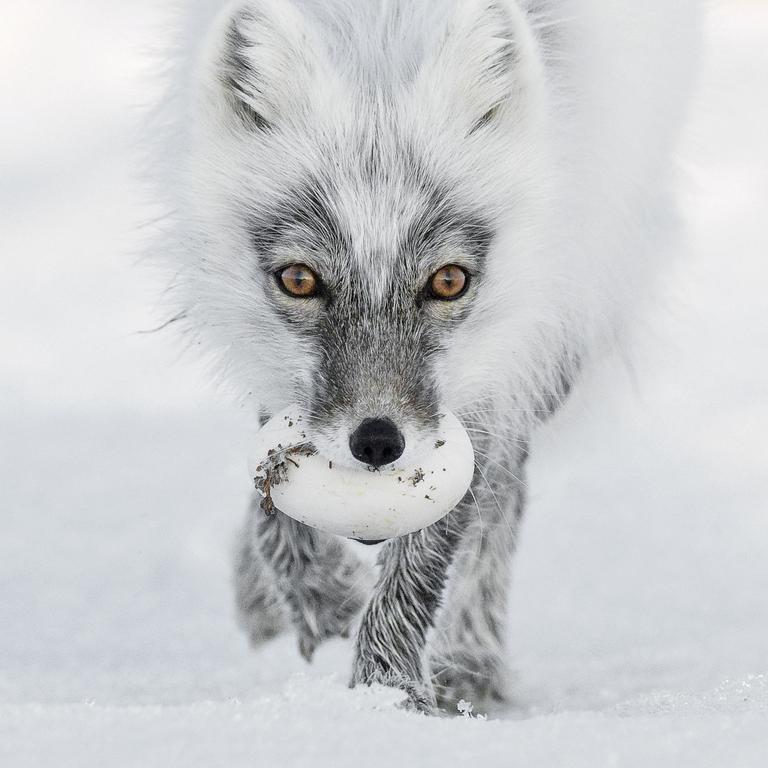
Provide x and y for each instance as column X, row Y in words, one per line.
column 484, row 681
column 419, row 696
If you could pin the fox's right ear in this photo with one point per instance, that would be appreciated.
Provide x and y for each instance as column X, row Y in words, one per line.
column 258, row 64
column 485, row 69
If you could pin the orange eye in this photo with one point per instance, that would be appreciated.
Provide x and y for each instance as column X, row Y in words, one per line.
column 449, row 283
column 299, row 280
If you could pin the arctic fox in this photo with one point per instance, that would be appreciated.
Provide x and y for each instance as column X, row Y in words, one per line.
column 384, row 207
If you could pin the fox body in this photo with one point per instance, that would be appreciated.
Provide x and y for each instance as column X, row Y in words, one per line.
column 325, row 163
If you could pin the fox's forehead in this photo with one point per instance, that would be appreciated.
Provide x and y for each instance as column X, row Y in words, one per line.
column 378, row 43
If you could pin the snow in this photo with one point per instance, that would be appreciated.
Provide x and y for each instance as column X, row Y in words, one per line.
column 639, row 625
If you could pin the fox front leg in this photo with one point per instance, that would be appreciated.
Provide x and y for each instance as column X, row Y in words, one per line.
column 321, row 581
column 391, row 643
column 469, row 658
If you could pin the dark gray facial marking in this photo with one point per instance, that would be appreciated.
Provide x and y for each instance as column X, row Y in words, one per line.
column 304, row 220
column 374, row 357
column 442, row 222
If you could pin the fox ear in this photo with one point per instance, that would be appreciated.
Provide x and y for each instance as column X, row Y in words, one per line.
column 261, row 61
column 485, row 59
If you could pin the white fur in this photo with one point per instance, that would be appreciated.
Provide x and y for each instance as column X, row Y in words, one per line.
column 576, row 163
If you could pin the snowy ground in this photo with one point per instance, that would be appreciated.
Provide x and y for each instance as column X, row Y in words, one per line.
column 640, row 616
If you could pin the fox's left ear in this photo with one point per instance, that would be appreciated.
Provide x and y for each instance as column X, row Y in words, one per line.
column 486, row 66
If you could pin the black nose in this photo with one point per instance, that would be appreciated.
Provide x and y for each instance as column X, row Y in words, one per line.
column 377, row 442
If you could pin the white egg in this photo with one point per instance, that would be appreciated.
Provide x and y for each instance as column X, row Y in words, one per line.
column 356, row 502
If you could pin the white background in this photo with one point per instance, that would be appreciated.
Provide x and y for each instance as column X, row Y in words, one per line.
column 640, row 616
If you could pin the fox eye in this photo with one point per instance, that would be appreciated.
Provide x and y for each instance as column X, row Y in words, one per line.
column 299, row 280
column 448, row 283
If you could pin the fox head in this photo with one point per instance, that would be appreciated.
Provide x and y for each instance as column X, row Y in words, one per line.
column 363, row 209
